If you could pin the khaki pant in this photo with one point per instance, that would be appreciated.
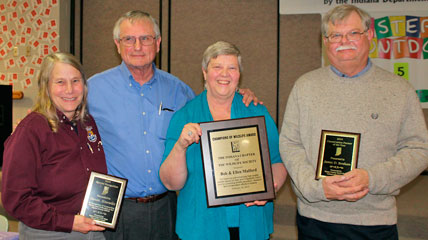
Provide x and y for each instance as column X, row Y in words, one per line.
column 29, row 233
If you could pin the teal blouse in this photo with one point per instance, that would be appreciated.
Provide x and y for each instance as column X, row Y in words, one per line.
column 194, row 219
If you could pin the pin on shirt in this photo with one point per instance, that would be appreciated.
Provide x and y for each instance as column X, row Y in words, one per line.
column 90, row 148
column 99, row 144
column 92, row 137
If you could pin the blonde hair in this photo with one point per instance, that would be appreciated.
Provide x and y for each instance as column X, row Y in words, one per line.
column 44, row 104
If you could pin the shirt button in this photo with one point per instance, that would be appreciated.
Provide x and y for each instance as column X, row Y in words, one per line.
column 150, row 189
column 80, row 148
column 71, row 128
column 130, row 85
column 149, row 171
column 144, row 113
column 87, row 169
column 145, row 132
column 142, row 94
column 147, row 151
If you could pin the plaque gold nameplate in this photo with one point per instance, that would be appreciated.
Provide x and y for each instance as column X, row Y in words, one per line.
column 236, row 161
column 103, row 199
column 338, row 153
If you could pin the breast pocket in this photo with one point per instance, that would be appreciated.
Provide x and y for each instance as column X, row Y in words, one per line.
column 162, row 123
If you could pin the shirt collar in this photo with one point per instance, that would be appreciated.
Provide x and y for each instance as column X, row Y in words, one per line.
column 129, row 79
column 365, row 69
column 64, row 120
column 62, row 117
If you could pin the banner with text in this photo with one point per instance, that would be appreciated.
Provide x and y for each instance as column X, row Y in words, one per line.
column 322, row 6
column 400, row 45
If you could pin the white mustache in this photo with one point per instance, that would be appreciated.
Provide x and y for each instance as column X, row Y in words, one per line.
column 340, row 48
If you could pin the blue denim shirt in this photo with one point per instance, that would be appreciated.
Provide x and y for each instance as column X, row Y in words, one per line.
column 133, row 120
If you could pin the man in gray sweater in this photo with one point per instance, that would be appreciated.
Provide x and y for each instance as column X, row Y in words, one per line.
column 352, row 95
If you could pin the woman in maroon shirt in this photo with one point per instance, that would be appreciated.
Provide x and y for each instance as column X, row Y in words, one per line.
column 50, row 155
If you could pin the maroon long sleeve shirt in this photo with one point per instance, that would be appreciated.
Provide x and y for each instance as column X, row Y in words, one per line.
column 45, row 174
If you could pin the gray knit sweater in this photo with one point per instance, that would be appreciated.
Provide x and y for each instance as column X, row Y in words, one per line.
column 382, row 107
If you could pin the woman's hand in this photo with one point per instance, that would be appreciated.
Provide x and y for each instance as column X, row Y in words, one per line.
column 173, row 171
column 279, row 175
column 190, row 134
column 257, row 203
column 84, row 225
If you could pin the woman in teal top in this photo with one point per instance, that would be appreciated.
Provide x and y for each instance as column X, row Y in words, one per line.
column 182, row 165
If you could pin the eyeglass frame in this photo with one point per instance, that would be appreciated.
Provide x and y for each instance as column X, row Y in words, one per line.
column 140, row 38
column 346, row 35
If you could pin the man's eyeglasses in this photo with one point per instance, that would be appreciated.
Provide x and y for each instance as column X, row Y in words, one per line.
column 352, row 36
column 144, row 40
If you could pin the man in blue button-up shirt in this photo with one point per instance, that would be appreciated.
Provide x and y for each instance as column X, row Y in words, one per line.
column 132, row 105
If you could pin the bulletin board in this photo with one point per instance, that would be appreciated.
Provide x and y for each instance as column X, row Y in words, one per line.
column 28, row 32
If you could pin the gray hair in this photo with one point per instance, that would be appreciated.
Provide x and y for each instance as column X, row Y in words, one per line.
column 341, row 12
column 134, row 16
column 220, row 48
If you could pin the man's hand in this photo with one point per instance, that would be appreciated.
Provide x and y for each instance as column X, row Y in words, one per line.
column 356, row 178
column 84, row 225
column 248, row 97
column 349, row 187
